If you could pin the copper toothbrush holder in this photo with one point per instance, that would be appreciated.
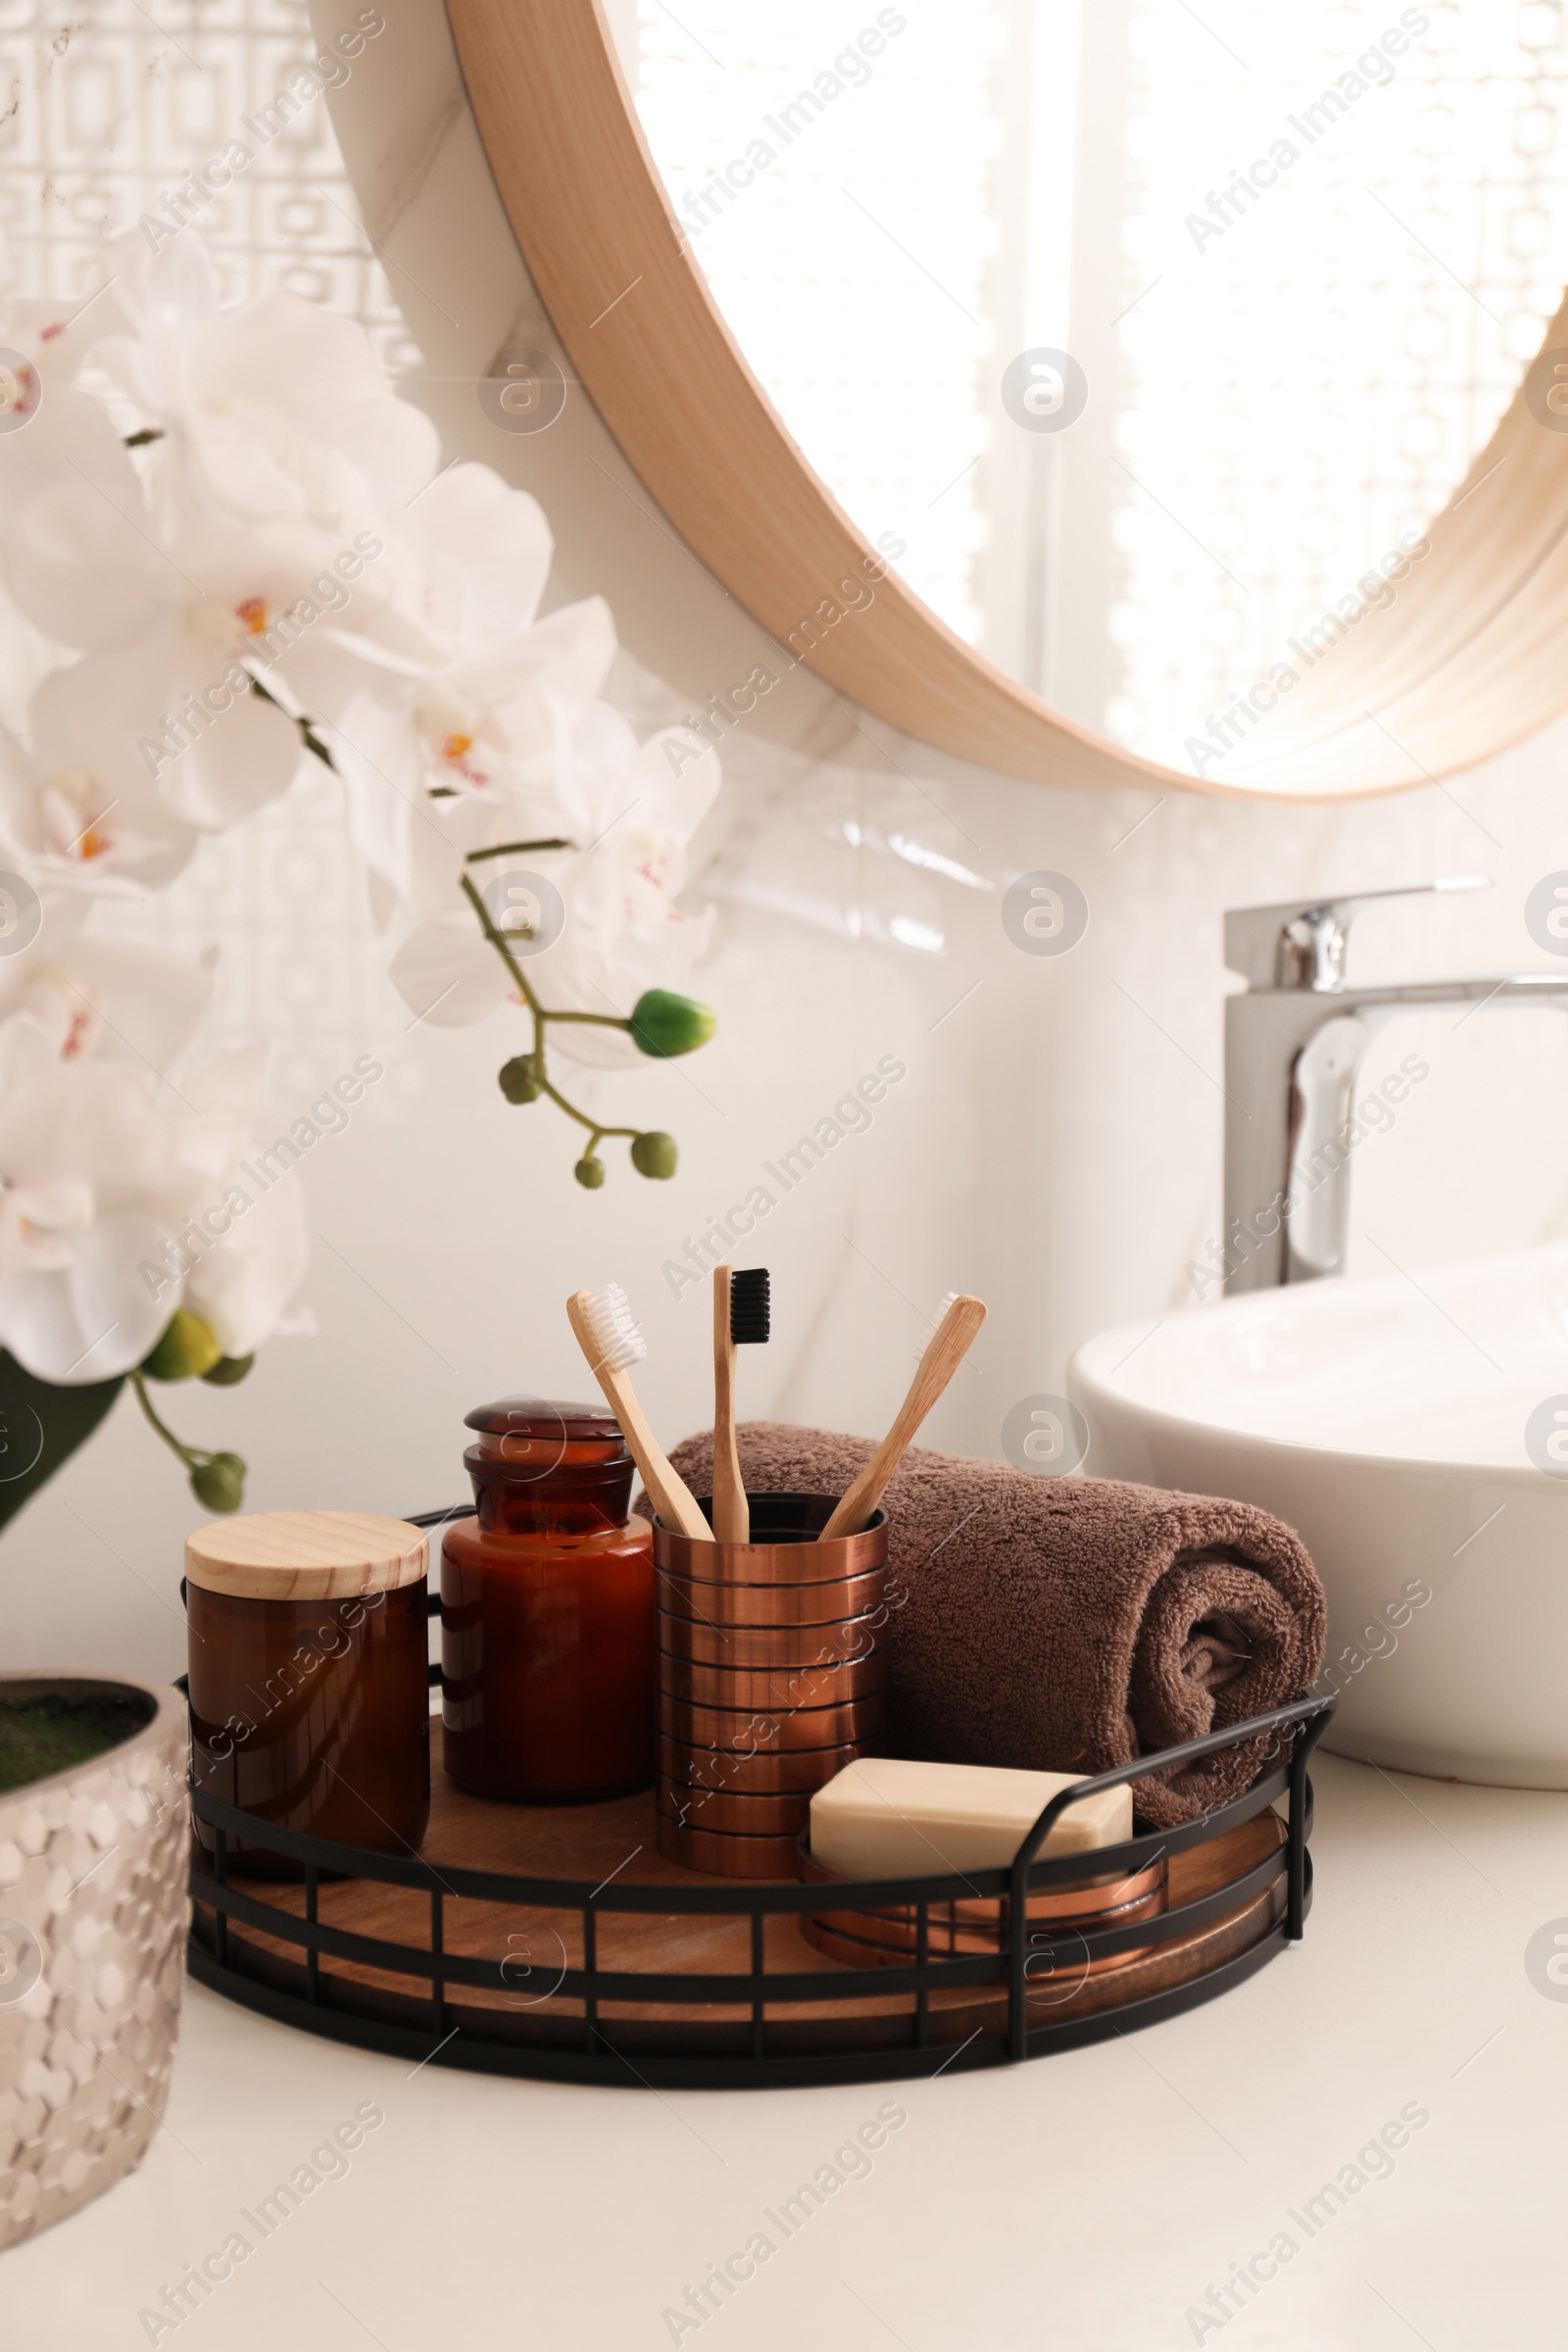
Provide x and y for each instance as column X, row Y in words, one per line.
column 771, row 1679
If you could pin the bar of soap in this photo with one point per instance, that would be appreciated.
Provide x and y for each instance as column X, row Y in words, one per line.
column 891, row 1817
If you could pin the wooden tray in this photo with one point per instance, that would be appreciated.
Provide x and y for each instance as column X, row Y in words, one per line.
column 617, row 1841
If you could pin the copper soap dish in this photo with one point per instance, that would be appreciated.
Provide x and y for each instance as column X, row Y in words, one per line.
column 889, row 1936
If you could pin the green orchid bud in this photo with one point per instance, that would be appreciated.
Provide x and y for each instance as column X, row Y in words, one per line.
column 228, row 1371
column 653, row 1153
column 589, row 1172
column 520, row 1079
column 219, row 1482
column 187, row 1350
column 665, row 1024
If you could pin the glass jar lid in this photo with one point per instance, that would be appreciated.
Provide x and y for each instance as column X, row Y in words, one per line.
column 533, row 1433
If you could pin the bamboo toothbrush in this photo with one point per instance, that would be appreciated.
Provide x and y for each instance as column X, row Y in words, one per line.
column 955, row 1335
column 609, row 1339
column 740, row 1319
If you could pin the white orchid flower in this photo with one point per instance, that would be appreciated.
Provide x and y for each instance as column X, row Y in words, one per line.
column 471, row 756
column 623, row 931
column 174, row 743
column 241, row 1258
column 467, row 750
column 498, row 711
column 67, row 433
column 271, row 407
column 484, row 551
column 242, row 1286
column 206, row 648
column 274, row 552
column 37, row 1221
column 119, row 1206
column 469, row 761
column 87, row 996
column 69, row 828
column 500, row 720
column 86, row 566
column 91, row 1185
column 485, row 714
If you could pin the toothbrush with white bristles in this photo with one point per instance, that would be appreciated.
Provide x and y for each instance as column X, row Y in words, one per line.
column 606, row 1331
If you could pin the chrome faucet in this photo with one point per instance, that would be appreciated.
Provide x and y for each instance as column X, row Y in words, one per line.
column 1294, row 1041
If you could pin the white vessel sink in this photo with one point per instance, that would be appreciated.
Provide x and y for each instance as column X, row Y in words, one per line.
column 1386, row 1421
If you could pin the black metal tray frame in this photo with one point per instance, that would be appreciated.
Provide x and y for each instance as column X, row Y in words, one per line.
column 735, row 2053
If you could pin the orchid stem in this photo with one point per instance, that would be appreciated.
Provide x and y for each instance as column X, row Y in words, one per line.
column 605, row 1020
column 595, row 1131
column 498, row 940
column 308, row 735
column 186, row 1454
column 515, row 849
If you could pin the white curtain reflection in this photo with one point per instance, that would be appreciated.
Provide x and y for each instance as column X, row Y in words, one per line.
column 1287, row 373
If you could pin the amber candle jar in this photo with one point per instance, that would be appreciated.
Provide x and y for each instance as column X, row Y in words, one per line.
column 309, row 1698
column 547, row 1611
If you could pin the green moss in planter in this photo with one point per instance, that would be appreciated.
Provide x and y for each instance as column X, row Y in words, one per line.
column 50, row 1731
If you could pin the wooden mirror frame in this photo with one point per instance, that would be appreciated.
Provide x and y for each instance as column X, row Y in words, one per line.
column 1464, row 664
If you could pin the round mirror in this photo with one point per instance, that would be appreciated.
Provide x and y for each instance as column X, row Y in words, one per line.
column 1142, row 339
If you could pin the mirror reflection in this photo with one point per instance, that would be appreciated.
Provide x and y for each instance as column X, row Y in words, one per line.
column 1144, row 339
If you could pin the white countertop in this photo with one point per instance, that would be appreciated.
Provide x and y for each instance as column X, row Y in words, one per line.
column 1090, row 2199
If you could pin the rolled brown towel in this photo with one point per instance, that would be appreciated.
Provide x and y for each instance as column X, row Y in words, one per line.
column 1066, row 1624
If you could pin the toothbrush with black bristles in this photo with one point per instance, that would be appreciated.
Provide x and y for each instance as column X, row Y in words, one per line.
column 741, row 1319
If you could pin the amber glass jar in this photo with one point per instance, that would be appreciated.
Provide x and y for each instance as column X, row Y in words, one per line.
column 547, row 1611
column 310, row 1697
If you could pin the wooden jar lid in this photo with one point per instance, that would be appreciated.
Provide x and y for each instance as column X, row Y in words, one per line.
column 306, row 1555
